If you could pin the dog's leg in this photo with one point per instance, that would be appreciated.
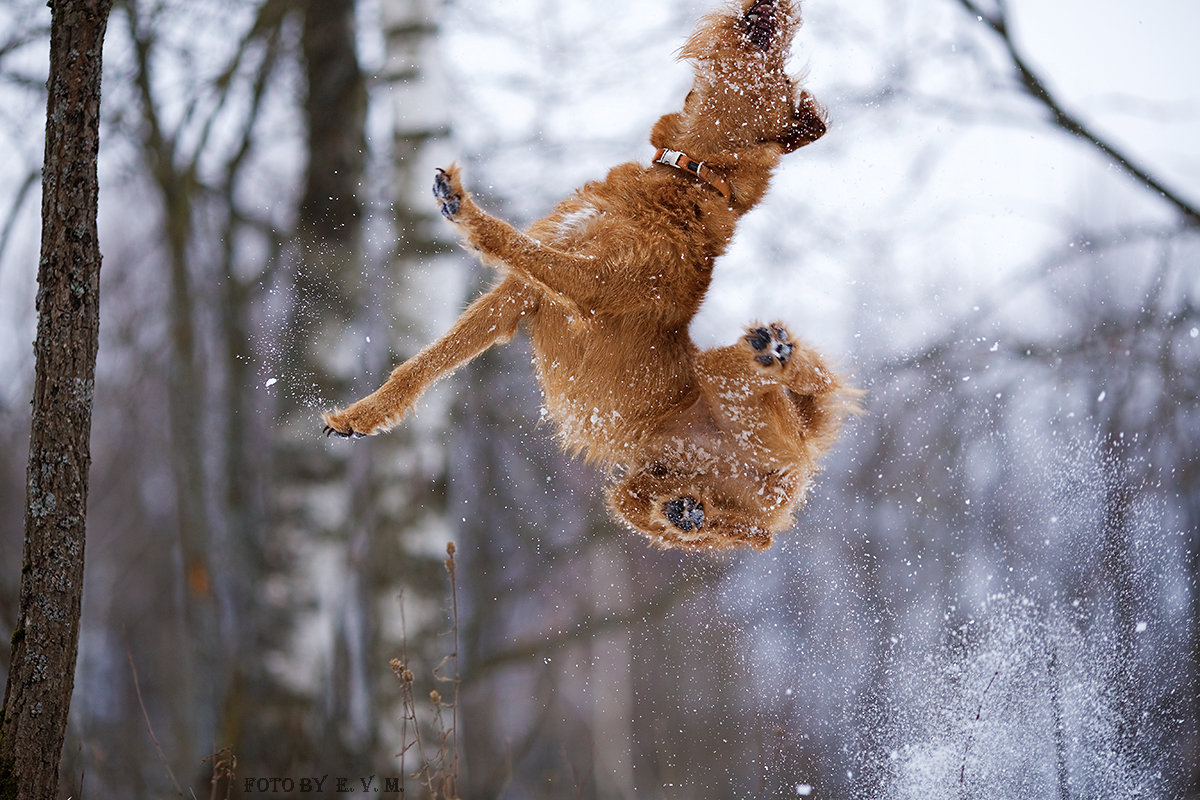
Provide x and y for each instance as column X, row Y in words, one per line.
column 743, row 384
column 572, row 280
column 490, row 319
column 783, row 360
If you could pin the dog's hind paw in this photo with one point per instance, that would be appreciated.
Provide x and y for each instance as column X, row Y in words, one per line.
column 772, row 343
column 448, row 192
column 685, row 513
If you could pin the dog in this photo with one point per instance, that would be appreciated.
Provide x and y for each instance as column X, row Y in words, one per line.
column 705, row 449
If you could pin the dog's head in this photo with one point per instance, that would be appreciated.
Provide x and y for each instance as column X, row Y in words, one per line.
column 742, row 95
column 703, row 503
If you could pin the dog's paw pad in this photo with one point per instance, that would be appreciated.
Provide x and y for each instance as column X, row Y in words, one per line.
column 685, row 513
column 448, row 198
column 772, row 344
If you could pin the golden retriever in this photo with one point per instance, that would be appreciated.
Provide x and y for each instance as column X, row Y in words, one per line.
column 706, row 449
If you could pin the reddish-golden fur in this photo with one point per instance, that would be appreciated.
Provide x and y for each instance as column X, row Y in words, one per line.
column 709, row 449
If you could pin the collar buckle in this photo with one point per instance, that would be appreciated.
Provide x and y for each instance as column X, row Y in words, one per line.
column 670, row 157
column 678, row 160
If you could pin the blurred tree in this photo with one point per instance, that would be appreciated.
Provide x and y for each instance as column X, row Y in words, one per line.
column 198, row 179
column 254, row 507
column 41, row 677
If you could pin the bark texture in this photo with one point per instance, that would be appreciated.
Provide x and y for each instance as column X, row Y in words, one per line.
column 45, row 641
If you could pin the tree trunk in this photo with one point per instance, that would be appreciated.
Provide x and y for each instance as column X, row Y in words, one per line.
column 45, row 642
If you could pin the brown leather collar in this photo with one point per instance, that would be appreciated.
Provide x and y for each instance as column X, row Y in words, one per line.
column 674, row 158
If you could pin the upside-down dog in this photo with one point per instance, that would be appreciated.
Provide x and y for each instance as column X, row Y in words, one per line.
column 707, row 449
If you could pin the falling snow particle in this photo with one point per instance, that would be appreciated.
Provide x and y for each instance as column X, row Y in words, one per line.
column 803, row 789
column 271, row 382
column 1140, row 628
column 1103, row 395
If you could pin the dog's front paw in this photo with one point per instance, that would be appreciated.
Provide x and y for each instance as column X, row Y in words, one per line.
column 772, row 344
column 448, row 192
column 338, row 423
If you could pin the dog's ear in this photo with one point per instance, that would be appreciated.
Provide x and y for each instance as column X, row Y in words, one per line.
column 808, row 124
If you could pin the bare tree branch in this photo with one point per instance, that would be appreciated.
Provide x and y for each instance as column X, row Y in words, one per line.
column 1037, row 88
column 30, row 181
column 653, row 608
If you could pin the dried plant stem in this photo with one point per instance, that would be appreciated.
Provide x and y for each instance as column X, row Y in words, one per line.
column 962, row 773
column 137, row 688
column 224, row 768
column 1060, row 734
column 409, row 714
column 456, row 680
column 440, row 777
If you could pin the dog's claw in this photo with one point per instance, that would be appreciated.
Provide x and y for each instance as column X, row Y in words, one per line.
column 350, row 434
column 451, row 203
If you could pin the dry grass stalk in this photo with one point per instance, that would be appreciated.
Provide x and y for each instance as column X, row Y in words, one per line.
column 224, row 768
column 439, row 773
column 137, row 688
column 962, row 773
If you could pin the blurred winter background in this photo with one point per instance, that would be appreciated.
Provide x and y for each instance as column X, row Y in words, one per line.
column 993, row 592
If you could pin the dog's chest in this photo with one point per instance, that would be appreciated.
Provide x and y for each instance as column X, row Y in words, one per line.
column 606, row 387
column 576, row 224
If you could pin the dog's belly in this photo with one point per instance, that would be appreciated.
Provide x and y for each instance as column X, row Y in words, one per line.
column 611, row 383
